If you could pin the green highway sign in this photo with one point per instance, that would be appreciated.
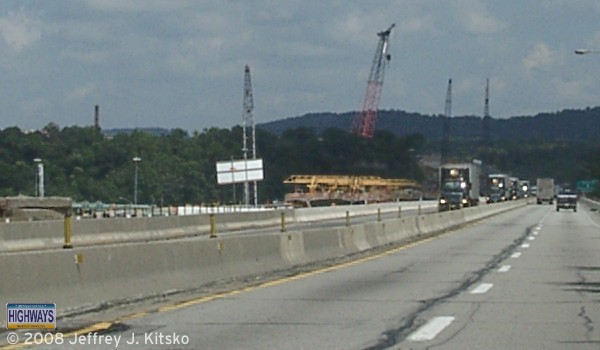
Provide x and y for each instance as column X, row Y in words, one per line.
column 586, row 186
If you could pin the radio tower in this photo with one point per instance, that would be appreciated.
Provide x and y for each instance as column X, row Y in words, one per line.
column 446, row 124
column 486, row 115
column 364, row 122
column 248, row 120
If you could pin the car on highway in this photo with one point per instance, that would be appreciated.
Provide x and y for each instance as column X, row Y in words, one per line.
column 566, row 200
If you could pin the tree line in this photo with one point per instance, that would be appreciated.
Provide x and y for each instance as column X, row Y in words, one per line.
column 178, row 168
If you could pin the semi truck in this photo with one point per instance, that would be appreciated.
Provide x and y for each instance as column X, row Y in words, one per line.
column 524, row 188
column 513, row 188
column 545, row 190
column 459, row 185
column 498, row 185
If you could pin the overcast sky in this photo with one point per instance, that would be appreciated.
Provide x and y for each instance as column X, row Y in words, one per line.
column 181, row 63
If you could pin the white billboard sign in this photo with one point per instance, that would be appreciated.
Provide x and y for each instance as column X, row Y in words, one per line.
column 235, row 171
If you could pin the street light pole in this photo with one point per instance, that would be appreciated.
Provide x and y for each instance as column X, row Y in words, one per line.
column 136, row 160
column 585, row 51
column 39, row 178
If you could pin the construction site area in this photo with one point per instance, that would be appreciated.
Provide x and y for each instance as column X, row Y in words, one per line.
column 327, row 190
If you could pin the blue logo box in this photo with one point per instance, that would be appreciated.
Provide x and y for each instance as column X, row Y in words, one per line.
column 31, row 316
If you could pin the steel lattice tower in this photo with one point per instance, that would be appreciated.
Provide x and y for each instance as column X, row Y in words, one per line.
column 248, row 121
column 364, row 122
column 446, row 124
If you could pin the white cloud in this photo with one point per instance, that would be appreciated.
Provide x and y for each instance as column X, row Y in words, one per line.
column 481, row 24
column 137, row 5
column 414, row 25
column 575, row 89
column 20, row 31
column 539, row 58
column 82, row 91
column 474, row 16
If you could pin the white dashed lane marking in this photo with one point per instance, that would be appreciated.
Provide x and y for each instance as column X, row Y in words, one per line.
column 482, row 288
column 504, row 268
column 431, row 329
column 516, row 255
column 525, row 245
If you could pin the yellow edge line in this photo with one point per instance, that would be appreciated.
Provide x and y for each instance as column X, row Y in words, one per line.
column 105, row 325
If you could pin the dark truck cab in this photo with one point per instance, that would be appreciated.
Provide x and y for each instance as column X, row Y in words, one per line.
column 566, row 200
column 459, row 185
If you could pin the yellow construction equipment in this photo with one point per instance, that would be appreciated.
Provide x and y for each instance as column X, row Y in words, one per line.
column 319, row 190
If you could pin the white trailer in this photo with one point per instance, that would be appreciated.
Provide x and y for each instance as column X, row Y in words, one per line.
column 545, row 190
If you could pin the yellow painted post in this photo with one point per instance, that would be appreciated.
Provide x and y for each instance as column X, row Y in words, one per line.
column 347, row 218
column 67, row 230
column 283, row 222
column 213, row 226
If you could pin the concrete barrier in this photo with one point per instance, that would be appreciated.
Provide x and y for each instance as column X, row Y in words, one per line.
column 339, row 211
column 23, row 236
column 36, row 235
column 591, row 203
column 84, row 277
column 108, row 273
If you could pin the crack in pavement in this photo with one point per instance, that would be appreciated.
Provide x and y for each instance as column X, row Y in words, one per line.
column 409, row 323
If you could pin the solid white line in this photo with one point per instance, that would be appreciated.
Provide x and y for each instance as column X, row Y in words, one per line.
column 516, row 255
column 525, row 245
column 482, row 288
column 431, row 329
column 504, row 268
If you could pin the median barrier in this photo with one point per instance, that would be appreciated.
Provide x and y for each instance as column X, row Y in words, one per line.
column 358, row 237
column 435, row 222
column 22, row 236
column 292, row 248
column 88, row 276
column 339, row 211
column 111, row 273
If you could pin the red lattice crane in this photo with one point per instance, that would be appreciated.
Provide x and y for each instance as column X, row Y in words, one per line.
column 364, row 122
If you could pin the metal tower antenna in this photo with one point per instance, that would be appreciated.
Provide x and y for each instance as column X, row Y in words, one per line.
column 364, row 122
column 486, row 114
column 446, row 123
column 248, row 120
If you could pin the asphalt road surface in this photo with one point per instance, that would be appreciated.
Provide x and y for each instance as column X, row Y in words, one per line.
column 526, row 279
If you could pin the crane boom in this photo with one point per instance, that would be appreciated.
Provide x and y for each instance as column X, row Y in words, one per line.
column 364, row 122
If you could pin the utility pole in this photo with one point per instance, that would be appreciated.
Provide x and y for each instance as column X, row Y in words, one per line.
column 486, row 139
column 446, row 124
column 248, row 121
column 364, row 123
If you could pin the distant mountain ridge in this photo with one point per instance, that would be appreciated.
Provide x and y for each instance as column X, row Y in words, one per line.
column 568, row 125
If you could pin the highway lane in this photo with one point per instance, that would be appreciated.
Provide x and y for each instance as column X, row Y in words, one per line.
column 528, row 278
column 544, row 296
